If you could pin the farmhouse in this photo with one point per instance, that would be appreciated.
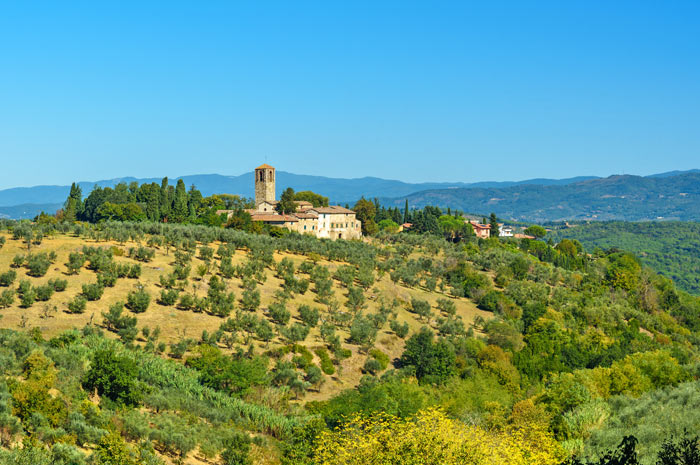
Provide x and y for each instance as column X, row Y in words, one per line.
column 482, row 231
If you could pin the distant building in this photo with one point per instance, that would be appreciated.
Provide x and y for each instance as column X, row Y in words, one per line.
column 332, row 222
column 482, row 231
column 505, row 231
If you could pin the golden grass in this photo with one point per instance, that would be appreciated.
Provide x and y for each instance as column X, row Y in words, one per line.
column 176, row 324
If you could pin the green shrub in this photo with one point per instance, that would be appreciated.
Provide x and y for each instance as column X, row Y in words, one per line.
column 27, row 298
column 93, row 292
column 362, row 331
column 76, row 260
column 134, row 271
column 59, row 285
column 113, row 377
column 17, row 261
column 296, row 332
column 24, row 286
column 142, row 254
column 326, row 364
column 186, row 302
column 401, row 330
column 8, row 278
column 107, row 278
column 380, row 357
column 7, row 298
column 138, row 300
column 446, row 305
column 279, row 313
column 77, row 305
column 308, row 315
column 44, row 293
column 372, row 366
column 38, row 265
column 168, row 297
column 421, row 308
column 490, row 301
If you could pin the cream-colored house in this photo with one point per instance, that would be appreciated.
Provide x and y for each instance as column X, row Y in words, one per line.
column 336, row 222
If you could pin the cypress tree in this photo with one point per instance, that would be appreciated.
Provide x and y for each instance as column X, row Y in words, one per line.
column 73, row 207
column 493, row 225
column 165, row 200
column 405, row 212
column 180, row 210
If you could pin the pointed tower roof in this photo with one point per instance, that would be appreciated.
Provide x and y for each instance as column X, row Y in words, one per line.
column 264, row 166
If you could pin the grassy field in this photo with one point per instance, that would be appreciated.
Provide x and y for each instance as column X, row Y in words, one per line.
column 52, row 317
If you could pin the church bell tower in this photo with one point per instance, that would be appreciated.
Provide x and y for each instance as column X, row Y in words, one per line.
column 264, row 184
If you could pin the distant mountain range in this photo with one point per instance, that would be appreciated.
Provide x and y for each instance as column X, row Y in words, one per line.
column 672, row 195
column 630, row 198
column 27, row 202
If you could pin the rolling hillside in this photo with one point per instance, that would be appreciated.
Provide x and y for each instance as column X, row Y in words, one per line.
column 184, row 344
column 670, row 248
column 631, row 198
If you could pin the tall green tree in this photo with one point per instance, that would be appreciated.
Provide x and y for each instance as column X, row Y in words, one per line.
column 316, row 200
column 405, row 212
column 194, row 202
column 180, row 209
column 149, row 196
column 493, row 225
column 166, row 201
column 536, row 231
column 366, row 211
column 286, row 203
column 73, row 207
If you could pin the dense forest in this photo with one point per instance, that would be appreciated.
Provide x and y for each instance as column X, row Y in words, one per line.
column 563, row 355
column 670, row 248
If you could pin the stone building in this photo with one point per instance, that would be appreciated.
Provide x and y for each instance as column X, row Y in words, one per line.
column 264, row 184
column 333, row 222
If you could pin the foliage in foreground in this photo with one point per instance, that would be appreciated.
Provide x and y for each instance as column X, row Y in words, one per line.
column 430, row 437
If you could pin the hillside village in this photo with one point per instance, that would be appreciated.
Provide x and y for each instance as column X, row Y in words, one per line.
column 332, row 222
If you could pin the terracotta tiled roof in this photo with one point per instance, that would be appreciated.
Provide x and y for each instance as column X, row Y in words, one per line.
column 264, row 166
column 302, row 203
column 332, row 209
column 305, row 216
column 269, row 217
column 480, row 226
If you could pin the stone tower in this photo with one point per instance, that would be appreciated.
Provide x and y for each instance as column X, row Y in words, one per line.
column 264, row 184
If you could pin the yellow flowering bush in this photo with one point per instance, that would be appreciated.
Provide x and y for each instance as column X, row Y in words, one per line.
column 431, row 438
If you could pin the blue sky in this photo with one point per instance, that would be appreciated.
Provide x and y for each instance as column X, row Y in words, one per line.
column 417, row 91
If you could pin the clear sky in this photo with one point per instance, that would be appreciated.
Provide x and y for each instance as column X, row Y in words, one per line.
column 417, row 91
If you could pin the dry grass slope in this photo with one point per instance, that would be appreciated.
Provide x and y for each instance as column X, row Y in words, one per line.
column 52, row 317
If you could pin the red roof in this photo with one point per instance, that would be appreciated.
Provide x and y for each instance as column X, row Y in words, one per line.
column 480, row 226
column 264, row 166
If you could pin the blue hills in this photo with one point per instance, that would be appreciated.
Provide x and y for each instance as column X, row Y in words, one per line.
column 672, row 195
